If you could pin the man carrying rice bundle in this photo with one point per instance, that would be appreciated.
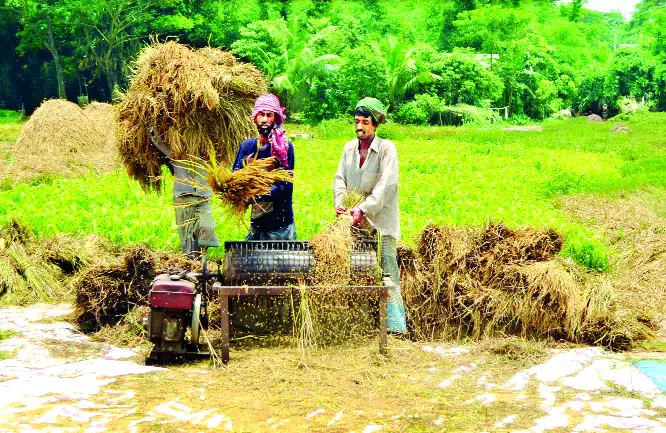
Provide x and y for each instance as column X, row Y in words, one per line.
column 191, row 199
column 369, row 164
column 272, row 214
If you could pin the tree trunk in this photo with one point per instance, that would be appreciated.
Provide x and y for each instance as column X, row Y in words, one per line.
column 50, row 45
column 111, row 80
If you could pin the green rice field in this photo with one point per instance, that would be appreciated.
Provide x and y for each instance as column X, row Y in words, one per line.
column 462, row 176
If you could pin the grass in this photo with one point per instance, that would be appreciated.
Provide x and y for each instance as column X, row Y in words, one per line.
column 453, row 176
column 10, row 125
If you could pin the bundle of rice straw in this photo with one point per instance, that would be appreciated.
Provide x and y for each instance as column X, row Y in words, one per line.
column 238, row 188
column 332, row 253
column 25, row 277
column 501, row 281
column 105, row 294
column 199, row 101
column 352, row 198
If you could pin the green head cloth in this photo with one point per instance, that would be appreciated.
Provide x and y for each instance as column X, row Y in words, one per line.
column 375, row 107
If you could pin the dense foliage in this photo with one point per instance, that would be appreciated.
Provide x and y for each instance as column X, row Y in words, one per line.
column 421, row 57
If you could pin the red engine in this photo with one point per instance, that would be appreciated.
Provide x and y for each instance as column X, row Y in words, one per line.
column 174, row 294
column 175, row 307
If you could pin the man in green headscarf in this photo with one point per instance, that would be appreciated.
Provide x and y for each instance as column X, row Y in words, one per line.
column 369, row 164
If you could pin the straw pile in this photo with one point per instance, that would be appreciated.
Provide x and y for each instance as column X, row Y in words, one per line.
column 500, row 281
column 636, row 282
column 25, row 277
column 105, row 294
column 497, row 281
column 237, row 189
column 102, row 117
column 199, row 101
column 71, row 254
column 58, row 138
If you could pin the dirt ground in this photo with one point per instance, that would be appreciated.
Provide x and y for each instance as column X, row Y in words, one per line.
column 59, row 381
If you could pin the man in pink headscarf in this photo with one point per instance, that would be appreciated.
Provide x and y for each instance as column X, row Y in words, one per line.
column 272, row 214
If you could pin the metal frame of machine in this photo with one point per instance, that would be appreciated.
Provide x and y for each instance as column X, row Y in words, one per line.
column 179, row 302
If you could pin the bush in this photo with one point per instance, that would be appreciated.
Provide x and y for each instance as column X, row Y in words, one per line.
column 430, row 110
column 10, row 115
column 520, row 119
column 464, row 115
column 418, row 111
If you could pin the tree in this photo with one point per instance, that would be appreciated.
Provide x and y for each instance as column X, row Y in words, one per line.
column 529, row 70
column 491, row 29
column 404, row 70
column 287, row 55
column 635, row 72
column 111, row 29
column 575, row 12
column 9, row 25
column 463, row 80
column 48, row 24
column 594, row 91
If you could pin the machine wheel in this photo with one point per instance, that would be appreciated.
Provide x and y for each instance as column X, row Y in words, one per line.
column 196, row 314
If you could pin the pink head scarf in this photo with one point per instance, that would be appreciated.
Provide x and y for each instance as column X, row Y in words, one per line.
column 279, row 144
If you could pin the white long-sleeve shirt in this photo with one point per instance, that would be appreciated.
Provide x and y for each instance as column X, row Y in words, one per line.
column 377, row 179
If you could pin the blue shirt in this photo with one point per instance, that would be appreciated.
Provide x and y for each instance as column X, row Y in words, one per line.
column 281, row 192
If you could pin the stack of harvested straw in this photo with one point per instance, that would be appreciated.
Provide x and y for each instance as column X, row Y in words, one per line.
column 499, row 281
column 104, row 294
column 199, row 101
column 59, row 138
column 101, row 114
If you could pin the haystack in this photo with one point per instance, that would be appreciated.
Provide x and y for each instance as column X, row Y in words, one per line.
column 60, row 138
column 58, row 127
column 102, row 117
column 199, row 101
column 72, row 254
column 104, row 294
column 502, row 281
